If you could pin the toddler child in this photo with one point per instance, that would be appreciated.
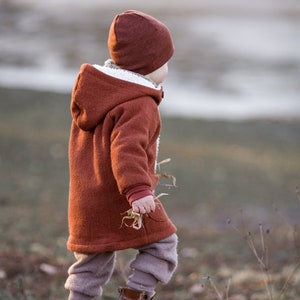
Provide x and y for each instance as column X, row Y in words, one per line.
column 112, row 157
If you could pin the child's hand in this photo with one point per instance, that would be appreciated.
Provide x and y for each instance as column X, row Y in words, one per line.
column 144, row 205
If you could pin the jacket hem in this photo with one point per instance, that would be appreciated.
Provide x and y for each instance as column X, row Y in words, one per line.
column 122, row 245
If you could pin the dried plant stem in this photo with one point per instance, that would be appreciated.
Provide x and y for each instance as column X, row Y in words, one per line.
column 165, row 175
column 261, row 253
column 216, row 290
column 263, row 265
column 168, row 176
column 161, row 194
column 289, row 278
column 213, row 285
column 254, row 251
column 163, row 162
column 227, row 288
column 262, row 239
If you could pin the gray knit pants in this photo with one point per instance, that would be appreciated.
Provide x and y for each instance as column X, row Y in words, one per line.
column 153, row 263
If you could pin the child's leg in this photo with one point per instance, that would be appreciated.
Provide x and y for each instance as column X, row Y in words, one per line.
column 88, row 274
column 154, row 263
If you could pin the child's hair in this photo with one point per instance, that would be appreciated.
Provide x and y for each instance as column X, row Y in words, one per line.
column 139, row 43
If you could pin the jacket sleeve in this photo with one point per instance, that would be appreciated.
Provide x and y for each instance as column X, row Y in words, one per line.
column 133, row 146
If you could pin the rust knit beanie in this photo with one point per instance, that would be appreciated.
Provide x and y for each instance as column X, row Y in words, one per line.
column 139, row 43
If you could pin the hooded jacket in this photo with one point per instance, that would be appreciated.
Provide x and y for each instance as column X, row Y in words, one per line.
column 112, row 157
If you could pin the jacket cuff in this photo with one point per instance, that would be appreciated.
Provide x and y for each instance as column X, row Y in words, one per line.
column 138, row 192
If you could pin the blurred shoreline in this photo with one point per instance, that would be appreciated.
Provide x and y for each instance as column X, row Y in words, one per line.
column 233, row 61
column 60, row 95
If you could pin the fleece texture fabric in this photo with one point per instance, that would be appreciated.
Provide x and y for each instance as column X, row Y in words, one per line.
column 112, row 155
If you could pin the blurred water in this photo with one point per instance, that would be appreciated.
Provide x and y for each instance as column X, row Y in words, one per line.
column 234, row 59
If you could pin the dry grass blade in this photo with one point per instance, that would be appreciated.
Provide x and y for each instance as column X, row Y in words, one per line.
column 161, row 194
column 261, row 263
column 228, row 288
column 262, row 240
column 213, row 285
column 167, row 160
column 136, row 219
column 165, row 175
column 254, row 251
column 168, row 176
column 288, row 280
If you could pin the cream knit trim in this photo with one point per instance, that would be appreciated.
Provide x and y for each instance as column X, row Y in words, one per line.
column 112, row 70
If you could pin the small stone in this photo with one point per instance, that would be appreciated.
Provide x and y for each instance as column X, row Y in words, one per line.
column 238, row 297
column 196, row 289
column 3, row 274
column 48, row 269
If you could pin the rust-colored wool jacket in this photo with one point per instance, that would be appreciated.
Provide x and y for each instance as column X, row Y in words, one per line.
column 112, row 155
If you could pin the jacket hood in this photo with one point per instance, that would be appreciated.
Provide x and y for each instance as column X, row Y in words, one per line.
column 99, row 89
